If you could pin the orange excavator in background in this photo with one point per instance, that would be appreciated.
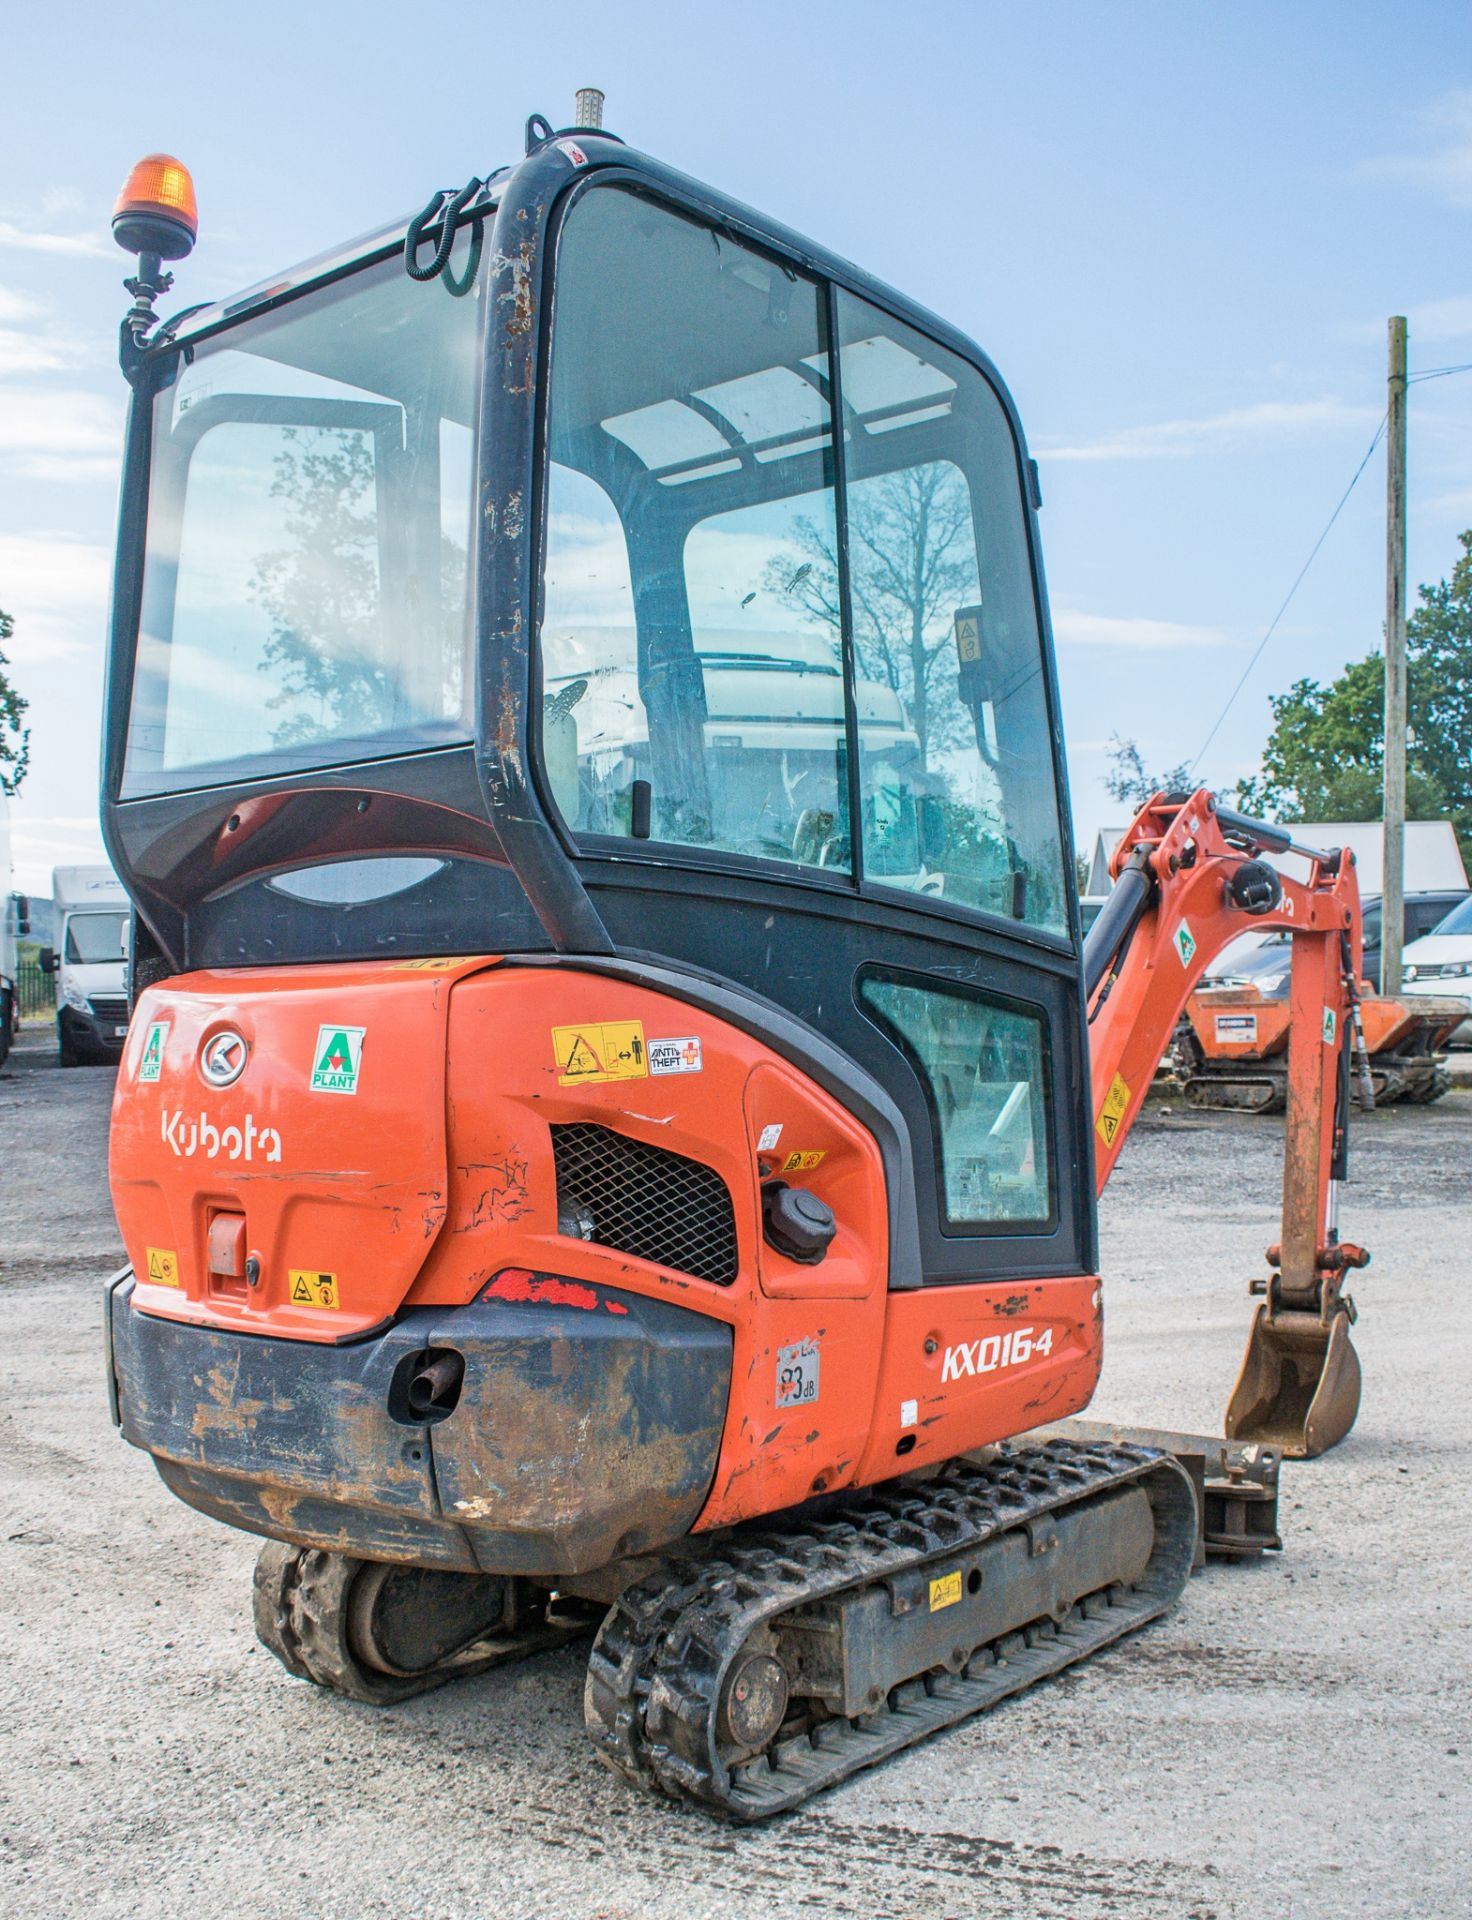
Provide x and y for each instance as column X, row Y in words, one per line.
column 609, row 1129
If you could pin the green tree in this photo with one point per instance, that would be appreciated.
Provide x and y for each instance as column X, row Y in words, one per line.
column 1325, row 756
column 1127, row 779
column 15, row 737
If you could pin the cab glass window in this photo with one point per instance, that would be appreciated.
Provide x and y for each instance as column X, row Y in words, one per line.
column 959, row 798
column 690, row 483
column 983, row 1064
column 307, row 588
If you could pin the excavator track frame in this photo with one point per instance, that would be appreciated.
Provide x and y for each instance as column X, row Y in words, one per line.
column 662, row 1662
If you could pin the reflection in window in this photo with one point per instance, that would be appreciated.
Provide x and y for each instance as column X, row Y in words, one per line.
column 694, row 620
column 307, row 581
column 981, row 1061
column 690, row 472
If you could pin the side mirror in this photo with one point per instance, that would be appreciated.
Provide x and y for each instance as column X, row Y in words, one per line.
column 47, row 959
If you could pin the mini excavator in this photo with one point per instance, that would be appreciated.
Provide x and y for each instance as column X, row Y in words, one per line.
column 608, row 1132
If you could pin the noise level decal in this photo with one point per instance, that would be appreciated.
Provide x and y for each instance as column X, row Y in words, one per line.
column 305, row 1287
column 152, row 1063
column 1116, row 1105
column 603, row 1050
column 338, row 1058
column 163, row 1266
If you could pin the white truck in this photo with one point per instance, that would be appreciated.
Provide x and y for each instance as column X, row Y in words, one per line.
column 14, row 923
column 90, row 914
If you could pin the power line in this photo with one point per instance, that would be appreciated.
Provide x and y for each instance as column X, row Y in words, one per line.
column 1438, row 373
column 1288, row 597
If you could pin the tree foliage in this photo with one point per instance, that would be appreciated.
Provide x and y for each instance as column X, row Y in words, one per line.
column 1128, row 780
column 15, row 736
column 1325, row 756
column 321, row 593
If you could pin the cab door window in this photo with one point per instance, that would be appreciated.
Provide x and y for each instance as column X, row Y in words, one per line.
column 959, row 799
column 982, row 1061
column 691, row 448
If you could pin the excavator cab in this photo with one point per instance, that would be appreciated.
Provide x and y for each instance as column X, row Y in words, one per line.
column 655, row 589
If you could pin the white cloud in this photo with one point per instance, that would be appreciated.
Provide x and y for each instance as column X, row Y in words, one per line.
column 61, row 433
column 1430, row 322
column 1444, row 169
column 77, row 245
column 22, row 352
column 1181, row 439
column 18, row 306
column 1075, row 628
column 48, row 574
column 1441, row 319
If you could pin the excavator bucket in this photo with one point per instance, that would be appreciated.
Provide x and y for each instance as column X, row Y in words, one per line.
column 1299, row 1388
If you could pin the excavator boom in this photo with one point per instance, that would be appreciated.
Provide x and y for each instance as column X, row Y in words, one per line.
column 1189, row 877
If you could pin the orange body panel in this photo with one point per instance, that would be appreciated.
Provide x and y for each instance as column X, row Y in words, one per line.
column 435, row 1174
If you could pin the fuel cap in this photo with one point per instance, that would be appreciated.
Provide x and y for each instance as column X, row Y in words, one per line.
column 797, row 1222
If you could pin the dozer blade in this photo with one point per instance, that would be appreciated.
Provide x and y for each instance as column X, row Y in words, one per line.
column 1299, row 1388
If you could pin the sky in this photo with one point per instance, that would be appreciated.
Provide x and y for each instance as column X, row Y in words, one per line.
column 1177, row 230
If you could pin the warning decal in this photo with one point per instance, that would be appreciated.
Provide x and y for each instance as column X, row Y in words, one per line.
column 152, row 1063
column 337, row 1059
column 607, row 1050
column 1116, row 1105
column 968, row 636
column 802, row 1162
column 945, row 1591
column 163, row 1266
column 445, row 964
column 308, row 1288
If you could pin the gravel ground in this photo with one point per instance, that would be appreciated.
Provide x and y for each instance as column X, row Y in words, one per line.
column 1292, row 1741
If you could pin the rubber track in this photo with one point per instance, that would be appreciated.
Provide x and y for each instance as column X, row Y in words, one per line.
column 300, row 1606
column 659, row 1661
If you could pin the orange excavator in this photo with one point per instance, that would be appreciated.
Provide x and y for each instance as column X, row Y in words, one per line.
column 610, row 1123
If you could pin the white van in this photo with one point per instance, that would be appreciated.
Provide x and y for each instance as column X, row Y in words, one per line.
column 90, row 915
column 1440, row 963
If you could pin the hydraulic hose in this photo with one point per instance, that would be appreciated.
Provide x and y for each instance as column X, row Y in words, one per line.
column 1122, row 912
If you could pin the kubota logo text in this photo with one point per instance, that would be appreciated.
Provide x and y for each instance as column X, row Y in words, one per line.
column 1008, row 1349
column 245, row 1142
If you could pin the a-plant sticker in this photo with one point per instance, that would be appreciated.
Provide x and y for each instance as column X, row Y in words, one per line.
column 1185, row 943
column 338, row 1059
column 152, row 1063
column 1331, row 1026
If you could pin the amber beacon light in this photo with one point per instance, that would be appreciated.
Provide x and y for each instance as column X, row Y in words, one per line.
column 155, row 212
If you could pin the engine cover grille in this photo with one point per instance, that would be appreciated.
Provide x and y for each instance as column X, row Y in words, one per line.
column 647, row 1201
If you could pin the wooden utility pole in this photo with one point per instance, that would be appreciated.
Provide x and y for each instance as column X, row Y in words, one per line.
column 1392, row 890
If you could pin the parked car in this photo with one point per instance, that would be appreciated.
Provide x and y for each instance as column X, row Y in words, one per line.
column 1440, row 962
column 1265, row 963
